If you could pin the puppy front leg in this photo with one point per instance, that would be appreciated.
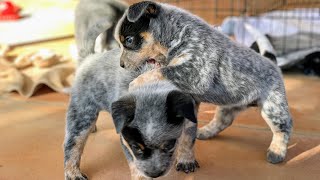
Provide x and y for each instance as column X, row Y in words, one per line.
column 150, row 76
column 223, row 118
column 186, row 161
column 177, row 71
column 81, row 119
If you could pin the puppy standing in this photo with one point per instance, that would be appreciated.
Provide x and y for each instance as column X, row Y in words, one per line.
column 89, row 12
column 205, row 63
column 156, row 122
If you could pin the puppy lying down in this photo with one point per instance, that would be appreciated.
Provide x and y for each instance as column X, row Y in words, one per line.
column 157, row 123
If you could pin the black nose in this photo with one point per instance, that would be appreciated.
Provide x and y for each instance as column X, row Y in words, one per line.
column 154, row 174
column 122, row 64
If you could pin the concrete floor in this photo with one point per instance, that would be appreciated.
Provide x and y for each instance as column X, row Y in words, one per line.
column 32, row 132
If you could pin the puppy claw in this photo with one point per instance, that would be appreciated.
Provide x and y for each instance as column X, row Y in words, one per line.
column 274, row 158
column 187, row 167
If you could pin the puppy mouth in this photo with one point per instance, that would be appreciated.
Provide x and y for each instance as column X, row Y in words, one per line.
column 154, row 62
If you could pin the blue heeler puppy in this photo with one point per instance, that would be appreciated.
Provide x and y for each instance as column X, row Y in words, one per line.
column 157, row 122
column 205, row 63
column 90, row 12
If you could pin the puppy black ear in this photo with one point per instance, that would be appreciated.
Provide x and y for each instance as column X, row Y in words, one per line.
column 181, row 105
column 148, row 8
column 123, row 111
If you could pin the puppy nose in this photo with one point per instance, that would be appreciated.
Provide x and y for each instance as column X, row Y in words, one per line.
column 155, row 174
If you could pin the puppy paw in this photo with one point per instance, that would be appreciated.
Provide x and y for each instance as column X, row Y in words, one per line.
column 274, row 157
column 78, row 176
column 204, row 134
column 150, row 76
column 187, row 167
column 74, row 174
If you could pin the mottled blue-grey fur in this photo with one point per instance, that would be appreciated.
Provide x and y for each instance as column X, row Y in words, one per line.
column 207, row 64
column 103, row 14
column 99, row 83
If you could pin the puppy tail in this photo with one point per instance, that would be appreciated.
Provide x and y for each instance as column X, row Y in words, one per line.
column 88, row 43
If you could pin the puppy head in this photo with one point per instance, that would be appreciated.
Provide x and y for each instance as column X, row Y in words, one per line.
column 135, row 36
column 150, row 127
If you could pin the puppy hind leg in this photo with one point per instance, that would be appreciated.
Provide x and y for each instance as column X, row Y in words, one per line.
column 186, row 161
column 80, row 120
column 223, row 118
column 275, row 112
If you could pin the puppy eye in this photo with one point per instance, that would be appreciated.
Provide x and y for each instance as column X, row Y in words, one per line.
column 138, row 148
column 179, row 116
column 129, row 40
column 169, row 145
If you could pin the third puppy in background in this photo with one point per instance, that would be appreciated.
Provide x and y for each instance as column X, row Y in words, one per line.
column 89, row 12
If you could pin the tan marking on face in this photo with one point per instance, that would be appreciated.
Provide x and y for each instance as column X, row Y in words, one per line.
column 151, row 10
column 121, row 38
column 136, row 174
column 146, row 36
column 125, row 143
column 149, row 49
column 141, row 146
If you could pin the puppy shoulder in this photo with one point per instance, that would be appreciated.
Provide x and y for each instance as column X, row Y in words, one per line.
column 96, row 65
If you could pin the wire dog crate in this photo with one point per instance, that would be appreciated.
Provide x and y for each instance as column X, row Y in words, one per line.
column 277, row 19
column 214, row 11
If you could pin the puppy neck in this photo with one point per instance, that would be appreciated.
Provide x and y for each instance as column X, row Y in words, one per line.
column 182, row 30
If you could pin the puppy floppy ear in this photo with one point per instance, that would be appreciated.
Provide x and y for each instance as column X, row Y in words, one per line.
column 148, row 8
column 181, row 105
column 123, row 111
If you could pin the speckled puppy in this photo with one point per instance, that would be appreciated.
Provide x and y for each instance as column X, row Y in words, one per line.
column 90, row 12
column 156, row 122
column 205, row 63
